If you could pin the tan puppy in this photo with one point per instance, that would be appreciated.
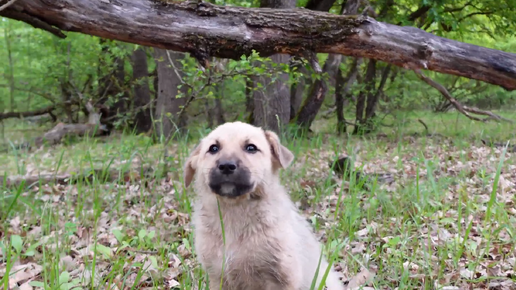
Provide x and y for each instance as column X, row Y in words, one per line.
column 268, row 245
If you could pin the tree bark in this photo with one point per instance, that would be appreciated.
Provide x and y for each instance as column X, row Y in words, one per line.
column 169, row 97
column 339, row 103
column 111, row 84
column 372, row 102
column 342, row 87
column 272, row 103
column 297, row 91
column 319, row 87
column 205, row 29
column 142, row 98
column 313, row 102
column 272, row 98
column 365, row 94
column 320, row 5
column 249, row 102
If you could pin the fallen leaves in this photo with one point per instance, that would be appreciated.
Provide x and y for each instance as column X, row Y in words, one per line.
column 426, row 226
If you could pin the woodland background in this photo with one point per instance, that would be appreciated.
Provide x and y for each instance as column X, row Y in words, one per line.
column 141, row 87
column 95, row 131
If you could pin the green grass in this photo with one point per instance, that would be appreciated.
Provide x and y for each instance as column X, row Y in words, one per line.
column 448, row 220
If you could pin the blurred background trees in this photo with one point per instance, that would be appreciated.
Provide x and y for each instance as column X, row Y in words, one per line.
column 161, row 92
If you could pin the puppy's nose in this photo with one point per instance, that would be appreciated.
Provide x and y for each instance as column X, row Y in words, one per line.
column 227, row 167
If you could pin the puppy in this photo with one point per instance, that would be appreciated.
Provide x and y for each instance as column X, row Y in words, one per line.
column 264, row 242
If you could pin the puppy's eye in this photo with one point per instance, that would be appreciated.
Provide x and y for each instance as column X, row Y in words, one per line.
column 251, row 148
column 213, row 149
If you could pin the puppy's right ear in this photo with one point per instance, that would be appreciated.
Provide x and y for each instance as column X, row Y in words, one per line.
column 191, row 165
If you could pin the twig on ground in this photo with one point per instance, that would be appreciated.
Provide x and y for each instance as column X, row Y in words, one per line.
column 102, row 175
column 424, row 125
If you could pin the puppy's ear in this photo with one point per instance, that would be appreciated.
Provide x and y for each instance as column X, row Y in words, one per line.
column 280, row 153
column 191, row 165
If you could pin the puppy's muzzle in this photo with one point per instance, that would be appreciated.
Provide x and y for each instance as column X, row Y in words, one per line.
column 229, row 179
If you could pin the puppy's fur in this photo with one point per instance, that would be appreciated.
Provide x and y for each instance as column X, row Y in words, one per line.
column 268, row 245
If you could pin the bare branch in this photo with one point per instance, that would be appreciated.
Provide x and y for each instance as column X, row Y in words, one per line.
column 25, row 114
column 9, row 3
column 465, row 110
column 33, row 21
column 32, row 91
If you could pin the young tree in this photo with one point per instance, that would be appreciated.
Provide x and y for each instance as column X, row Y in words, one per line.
column 142, row 119
column 170, row 98
column 271, row 94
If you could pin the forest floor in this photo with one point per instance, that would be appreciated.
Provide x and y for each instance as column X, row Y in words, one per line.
column 448, row 219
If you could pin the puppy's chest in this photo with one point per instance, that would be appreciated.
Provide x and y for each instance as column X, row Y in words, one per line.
column 250, row 241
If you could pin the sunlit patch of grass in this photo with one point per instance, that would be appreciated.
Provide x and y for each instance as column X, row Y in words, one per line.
column 444, row 223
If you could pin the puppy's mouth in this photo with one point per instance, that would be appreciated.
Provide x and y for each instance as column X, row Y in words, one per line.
column 229, row 189
column 230, row 185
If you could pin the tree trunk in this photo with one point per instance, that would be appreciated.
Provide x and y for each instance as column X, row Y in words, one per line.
column 249, row 102
column 365, row 93
column 342, row 88
column 318, row 90
column 219, row 112
column 207, row 111
column 272, row 100
column 372, row 102
column 142, row 119
column 297, row 91
column 122, row 102
column 339, row 104
column 169, row 97
column 205, row 30
column 272, row 103
column 313, row 102
column 10, row 75
column 111, row 84
column 320, row 5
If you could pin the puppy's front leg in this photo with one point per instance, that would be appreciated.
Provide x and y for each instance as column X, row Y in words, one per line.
column 215, row 284
column 276, row 286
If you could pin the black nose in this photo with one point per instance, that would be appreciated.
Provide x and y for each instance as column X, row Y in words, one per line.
column 227, row 167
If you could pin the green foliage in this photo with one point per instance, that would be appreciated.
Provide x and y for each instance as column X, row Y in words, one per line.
column 41, row 65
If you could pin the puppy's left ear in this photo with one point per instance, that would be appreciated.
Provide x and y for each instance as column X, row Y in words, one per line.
column 191, row 165
column 280, row 153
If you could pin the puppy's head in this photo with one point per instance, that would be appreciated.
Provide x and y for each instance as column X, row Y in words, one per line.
column 236, row 158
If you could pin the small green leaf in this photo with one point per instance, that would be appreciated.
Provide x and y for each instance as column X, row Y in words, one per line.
column 142, row 233
column 64, row 277
column 17, row 243
column 104, row 250
column 154, row 262
column 118, row 235
column 37, row 284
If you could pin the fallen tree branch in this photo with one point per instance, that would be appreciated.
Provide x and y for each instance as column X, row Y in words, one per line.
column 25, row 114
column 465, row 110
column 9, row 3
column 61, row 130
column 55, row 135
column 33, row 21
column 205, row 30
column 102, row 175
column 500, row 145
